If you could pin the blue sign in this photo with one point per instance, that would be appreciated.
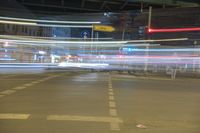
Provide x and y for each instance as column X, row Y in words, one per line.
column 85, row 34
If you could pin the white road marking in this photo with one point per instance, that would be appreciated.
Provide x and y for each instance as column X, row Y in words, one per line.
column 112, row 104
column 111, row 98
column 114, row 126
column 7, row 92
column 1, row 96
column 113, row 112
column 28, row 85
column 84, row 118
column 19, row 88
column 41, row 80
column 111, row 93
column 14, row 116
column 35, row 82
column 110, row 90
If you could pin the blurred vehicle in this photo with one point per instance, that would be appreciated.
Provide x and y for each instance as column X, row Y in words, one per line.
column 72, row 58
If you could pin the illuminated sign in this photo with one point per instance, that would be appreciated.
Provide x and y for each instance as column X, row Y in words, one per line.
column 104, row 28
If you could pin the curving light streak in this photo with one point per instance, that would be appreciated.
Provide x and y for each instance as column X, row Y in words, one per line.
column 51, row 21
column 18, row 23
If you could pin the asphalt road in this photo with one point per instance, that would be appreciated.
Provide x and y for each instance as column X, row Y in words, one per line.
column 81, row 102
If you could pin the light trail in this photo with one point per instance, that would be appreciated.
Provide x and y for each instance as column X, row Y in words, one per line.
column 150, row 30
column 50, row 21
column 17, row 23
column 44, row 25
column 168, row 50
column 49, row 38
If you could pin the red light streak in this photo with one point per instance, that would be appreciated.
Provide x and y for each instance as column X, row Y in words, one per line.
column 173, row 30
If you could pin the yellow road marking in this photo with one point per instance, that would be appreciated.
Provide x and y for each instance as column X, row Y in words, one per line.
column 14, row 116
column 112, row 104
column 113, row 112
column 7, row 92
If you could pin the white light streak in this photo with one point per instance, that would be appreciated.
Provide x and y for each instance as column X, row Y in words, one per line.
column 18, row 23
column 51, row 21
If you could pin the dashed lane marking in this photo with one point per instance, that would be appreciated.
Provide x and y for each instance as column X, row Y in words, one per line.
column 41, row 80
column 113, row 112
column 111, row 98
column 114, row 126
column 7, row 92
column 28, row 85
column 35, row 82
column 13, row 90
column 111, row 93
column 112, row 104
column 84, row 118
column 110, row 90
column 19, row 88
column 14, row 116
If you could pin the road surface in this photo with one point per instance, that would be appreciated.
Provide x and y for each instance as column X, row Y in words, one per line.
column 82, row 102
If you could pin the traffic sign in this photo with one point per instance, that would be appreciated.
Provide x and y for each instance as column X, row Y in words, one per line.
column 105, row 28
column 85, row 34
